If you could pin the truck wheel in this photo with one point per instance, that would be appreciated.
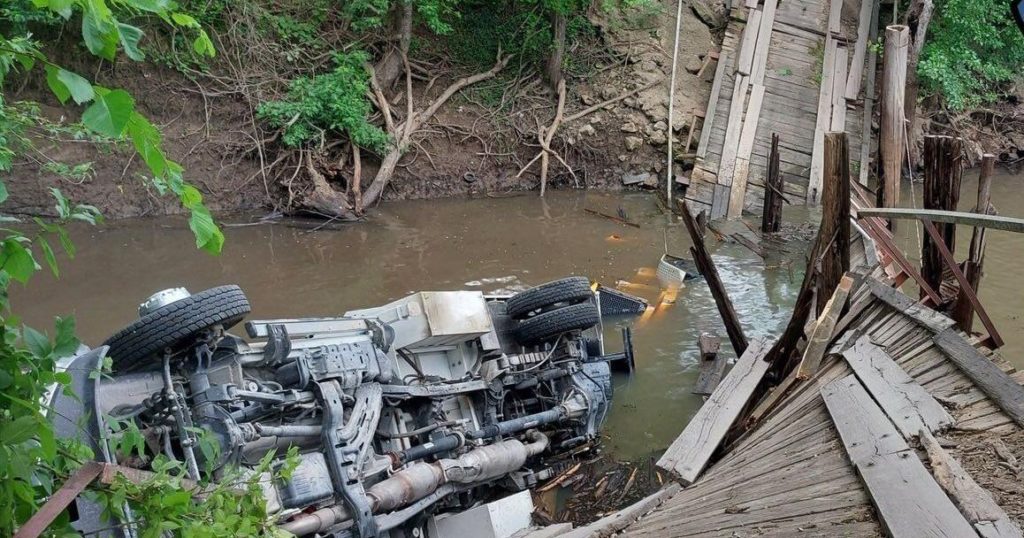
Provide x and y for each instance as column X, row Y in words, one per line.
column 547, row 325
column 171, row 325
column 567, row 291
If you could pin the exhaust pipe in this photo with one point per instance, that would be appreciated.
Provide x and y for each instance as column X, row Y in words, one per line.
column 421, row 479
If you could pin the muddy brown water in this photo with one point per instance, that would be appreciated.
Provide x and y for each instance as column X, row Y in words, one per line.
column 490, row 245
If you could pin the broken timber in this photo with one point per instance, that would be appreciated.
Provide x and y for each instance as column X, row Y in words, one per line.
column 692, row 450
column 909, row 501
column 776, row 46
column 822, row 334
column 706, row 267
column 712, row 365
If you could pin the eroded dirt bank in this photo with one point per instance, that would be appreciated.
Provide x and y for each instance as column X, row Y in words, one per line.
column 470, row 148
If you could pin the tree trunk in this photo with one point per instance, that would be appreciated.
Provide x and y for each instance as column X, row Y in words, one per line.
column 554, row 67
column 389, row 68
column 919, row 16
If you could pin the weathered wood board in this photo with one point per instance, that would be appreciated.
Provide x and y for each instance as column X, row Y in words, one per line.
column 691, row 451
column 907, row 404
column 909, row 502
column 995, row 383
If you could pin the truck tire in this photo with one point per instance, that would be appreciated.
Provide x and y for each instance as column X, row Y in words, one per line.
column 568, row 291
column 134, row 346
column 547, row 325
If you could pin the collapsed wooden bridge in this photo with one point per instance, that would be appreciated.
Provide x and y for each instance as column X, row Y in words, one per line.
column 799, row 68
column 873, row 413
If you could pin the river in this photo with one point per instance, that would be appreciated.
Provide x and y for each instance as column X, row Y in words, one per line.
column 487, row 244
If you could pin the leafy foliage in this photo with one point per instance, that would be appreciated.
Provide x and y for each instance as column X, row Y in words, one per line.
column 974, row 49
column 334, row 101
column 437, row 15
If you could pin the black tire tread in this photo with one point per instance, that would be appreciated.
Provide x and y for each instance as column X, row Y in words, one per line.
column 569, row 290
column 552, row 323
column 172, row 323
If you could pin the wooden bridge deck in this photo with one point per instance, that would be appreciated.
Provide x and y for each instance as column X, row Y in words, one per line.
column 788, row 53
column 791, row 474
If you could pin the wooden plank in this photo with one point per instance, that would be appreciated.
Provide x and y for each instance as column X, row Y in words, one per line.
column 995, row 383
column 746, row 146
column 691, row 451
column 712, row 365
column 824, row 119
column 975, row 502
column 747, row 46
column 860, row 49
column 908, row 500
column 709, row 115
column 822, row 334
column 60, row 500
column 732, row 133
column 993, row 222
column 908, row 404
column 901, row 303
column 835, row 13
column 837, row 122
column 869, row 100
column 764, row 40
column 620, row 519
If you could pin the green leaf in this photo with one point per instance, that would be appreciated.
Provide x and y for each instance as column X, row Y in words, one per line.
column 208, row 236
column 51, row 260
column 66, row 243
column 17, row 261
column 57, row 86
column 191, row 197
column 81, row 90
column 19, row 430
column 203, row 46
column 110, row 113
column 65, row 343
column 36, row 342
column 130, row 37
column 100, row 37
column 184, row 19
column 3, row 191
column 147, row 140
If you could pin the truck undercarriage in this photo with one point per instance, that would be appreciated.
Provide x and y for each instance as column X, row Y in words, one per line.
column 436, row 402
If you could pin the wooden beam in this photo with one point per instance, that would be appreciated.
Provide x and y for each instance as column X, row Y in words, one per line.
column 965, row 286
column 709, row 115
column 823, row 121
column 60, row 500
column 908, row 404
column 963, row 309
column 990, row 379
column 611, row 524
column 993, row 222
column 943, row 168
column 712, row 365
column 923, row 315
column 822, row 334
column 975, row 502
column 746, row 147
column 835, row 22
column 834, row 232
column 881, row 235
column 869, row 101
column 733, row 130
column 837, row 123
column 690, row 452
column 864, row 24
column 908, row 501
column 771, row 218
column 706, row 266
column 891, row 139
column 749, row 43
column 764, row 41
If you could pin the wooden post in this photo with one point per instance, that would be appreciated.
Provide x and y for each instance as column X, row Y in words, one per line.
column 943, row 167
column 963, row 310
column 772, row 215
column 712, row 365
column 706, row 266
column 891, row 142
column 835, row 216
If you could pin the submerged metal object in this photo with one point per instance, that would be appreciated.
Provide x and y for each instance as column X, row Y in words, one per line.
column 428, row 404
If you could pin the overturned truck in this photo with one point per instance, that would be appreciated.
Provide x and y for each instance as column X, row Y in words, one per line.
column 435, row 402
